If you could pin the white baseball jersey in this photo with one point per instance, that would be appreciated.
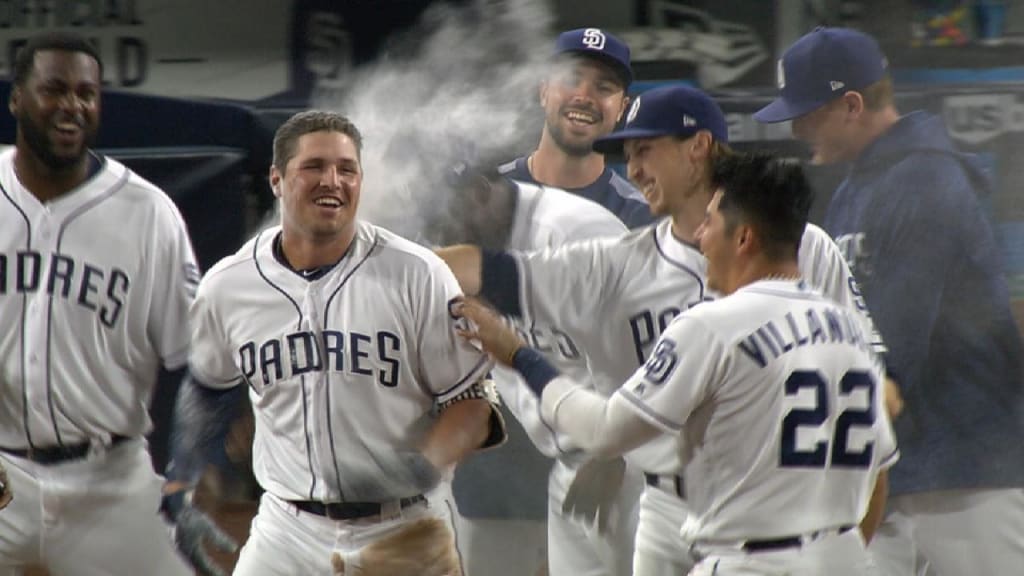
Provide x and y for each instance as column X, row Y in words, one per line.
column 94, row 292
column 341, row 369
column 779, row 398
column 625, row 291
column 547, row 218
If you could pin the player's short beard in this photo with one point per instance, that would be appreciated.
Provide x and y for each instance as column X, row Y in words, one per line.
column 41, row 145
column 570, row 148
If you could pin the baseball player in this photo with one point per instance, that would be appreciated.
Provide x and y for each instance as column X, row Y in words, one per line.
column 914, row 222
column 363, row 395
column 637, row 283
column 772, row 393
column 504, row 533
column 96, row 276
column 583, row 95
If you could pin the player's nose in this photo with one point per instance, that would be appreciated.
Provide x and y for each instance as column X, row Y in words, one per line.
column 330, row 177
column 634, row 171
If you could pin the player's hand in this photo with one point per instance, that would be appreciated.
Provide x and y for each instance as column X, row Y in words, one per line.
column 192, row 528
column 6, row 494
column 893, row 398
column 493, row 333
column 593, row 493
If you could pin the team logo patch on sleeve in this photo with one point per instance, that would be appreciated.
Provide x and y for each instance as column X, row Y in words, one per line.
column 662, row 362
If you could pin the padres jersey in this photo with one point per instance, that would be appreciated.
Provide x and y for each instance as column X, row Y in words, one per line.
column 779, row 398
column 94, row 293
column 340, row 368
column 634, row 286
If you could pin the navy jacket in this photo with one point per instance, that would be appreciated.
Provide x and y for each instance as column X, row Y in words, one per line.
column 911, row 220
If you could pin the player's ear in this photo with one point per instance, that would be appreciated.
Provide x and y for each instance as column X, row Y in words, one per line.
column 542, row 93
column 622, row 109
column 701, row 146
column 745, row 238
column 14, row 101
column 275, row 181
column 853, row 103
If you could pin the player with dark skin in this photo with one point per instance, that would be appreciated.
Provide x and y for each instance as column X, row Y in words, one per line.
column 58, row 113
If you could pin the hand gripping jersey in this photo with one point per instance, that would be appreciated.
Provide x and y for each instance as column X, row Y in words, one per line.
column 779, row 397
column 340, row 369
column 94, row 292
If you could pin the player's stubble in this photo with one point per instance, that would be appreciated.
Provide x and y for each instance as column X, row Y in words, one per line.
column 43, row 146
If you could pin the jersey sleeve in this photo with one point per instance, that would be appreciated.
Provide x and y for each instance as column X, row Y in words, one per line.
column 679, row 374
column 211, row 360
column 174, row 282
column 593, row 228
column 565, row 287
column 448, row 365
column 823, row 266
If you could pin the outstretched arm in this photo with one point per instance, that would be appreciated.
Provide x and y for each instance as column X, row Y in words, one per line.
column 603, row 427
column 202, row 416
column 466, row 263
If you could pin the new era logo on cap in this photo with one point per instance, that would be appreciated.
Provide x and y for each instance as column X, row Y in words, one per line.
column 670, row 110
column 596, row 43
column 819, row 67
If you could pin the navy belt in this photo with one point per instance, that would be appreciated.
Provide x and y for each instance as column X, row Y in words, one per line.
column 667, row 483
column 790, row 541
column 351, row 510
column 57, row 454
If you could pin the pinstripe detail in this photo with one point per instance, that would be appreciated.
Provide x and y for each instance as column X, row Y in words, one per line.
column 330, row 437
column 326, row 317
column 298, row 325
column 24, row 305
column 455, row 533
column 647, row 411
column 680, row 265
column 889, row 459
column 54, row 404
column 473, row 375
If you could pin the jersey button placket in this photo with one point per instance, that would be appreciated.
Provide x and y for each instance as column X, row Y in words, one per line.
column 315, row 393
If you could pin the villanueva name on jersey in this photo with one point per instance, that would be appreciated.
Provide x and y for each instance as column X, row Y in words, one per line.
column 298, row 353
column 100, row 290
column 826, row 325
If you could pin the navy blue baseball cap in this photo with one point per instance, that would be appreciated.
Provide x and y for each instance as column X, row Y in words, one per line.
column 671, row 110
column 598, row 44
column 820, row 67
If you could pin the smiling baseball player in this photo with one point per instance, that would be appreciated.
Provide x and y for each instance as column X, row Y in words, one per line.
column 504, row 533
column 342, row 334
column 772, row 390
column 96, row 276
column 636, row 284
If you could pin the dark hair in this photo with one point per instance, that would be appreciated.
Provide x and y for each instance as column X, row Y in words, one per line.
column 287, row 136
column 770, row 194
column 62, row 41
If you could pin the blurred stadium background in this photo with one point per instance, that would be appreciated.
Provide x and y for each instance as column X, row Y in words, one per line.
column 195, row 89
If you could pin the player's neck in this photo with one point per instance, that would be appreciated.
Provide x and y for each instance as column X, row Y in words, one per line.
column 303, row 252
column 688, row 213
column 551, row 166
column 44, row 182
column 760, row 269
